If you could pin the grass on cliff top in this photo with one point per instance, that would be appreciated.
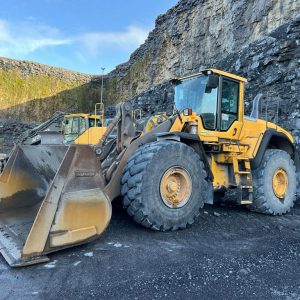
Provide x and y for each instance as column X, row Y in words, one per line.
column 15, row 90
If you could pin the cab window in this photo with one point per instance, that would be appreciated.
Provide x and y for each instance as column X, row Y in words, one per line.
column 75, row 126
column 94, row 122
column 82, row 125
column 91, row 122
column 208, row 108
column 201, row 95
column 67, row 126
column 229, row 103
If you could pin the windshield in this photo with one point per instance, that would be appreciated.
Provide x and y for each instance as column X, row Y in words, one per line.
column 67, row 125
column 193, row 93
column 73, row 127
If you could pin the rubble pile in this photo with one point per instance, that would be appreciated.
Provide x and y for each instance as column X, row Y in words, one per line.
column 10, row 130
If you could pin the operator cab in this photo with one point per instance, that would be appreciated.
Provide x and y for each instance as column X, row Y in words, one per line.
column 76, row 125
column 213, row 96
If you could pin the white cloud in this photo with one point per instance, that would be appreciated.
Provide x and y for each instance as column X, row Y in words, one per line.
column 127, row 40
column 25, row 38
column 18, row 40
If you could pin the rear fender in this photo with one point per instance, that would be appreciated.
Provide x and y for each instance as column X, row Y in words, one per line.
column 273, row 139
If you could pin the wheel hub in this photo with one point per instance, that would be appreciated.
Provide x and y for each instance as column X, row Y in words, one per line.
column 280, row 183
column 172, row 186
column 175, row 187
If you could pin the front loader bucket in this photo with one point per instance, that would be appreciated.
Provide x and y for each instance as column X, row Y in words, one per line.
column 51, row 197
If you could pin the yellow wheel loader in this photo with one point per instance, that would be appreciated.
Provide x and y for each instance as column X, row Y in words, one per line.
column 83, row 128
column 55, row 196
column 79, row 128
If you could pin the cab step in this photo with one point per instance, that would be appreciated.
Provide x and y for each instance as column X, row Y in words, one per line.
column 243, row 178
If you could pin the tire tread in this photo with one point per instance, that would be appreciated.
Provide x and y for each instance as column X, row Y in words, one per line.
column 137, row 167
column 261, row 203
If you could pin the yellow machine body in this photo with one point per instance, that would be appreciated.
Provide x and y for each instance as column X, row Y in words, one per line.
column 91, row 136
column 246, row 144
column 241, row 140
column 85, row 129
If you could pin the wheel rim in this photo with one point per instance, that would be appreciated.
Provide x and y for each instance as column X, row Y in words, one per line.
column 176, row 187
column 280, row 183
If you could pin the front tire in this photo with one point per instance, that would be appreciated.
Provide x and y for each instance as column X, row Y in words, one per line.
column 274, row 184
column 164, row 185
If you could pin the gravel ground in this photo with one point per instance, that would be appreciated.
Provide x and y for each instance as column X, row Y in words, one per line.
column 229, row 253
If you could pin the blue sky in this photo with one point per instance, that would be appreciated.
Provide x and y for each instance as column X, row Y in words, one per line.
column 77, row 34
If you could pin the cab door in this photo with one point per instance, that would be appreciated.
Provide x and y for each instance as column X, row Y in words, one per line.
column 230, row 108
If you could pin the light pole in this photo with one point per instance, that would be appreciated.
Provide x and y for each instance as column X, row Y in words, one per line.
column 102, row 85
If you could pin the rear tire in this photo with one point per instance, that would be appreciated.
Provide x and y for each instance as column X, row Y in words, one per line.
column 155, row 166
column 269, row 198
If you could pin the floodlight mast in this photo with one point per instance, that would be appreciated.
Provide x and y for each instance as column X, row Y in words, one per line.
column 101, row 100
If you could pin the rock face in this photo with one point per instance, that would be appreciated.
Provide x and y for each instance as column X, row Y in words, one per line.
column 271, row 65
column 32, row 91
column 197, row 33
column 258, row 39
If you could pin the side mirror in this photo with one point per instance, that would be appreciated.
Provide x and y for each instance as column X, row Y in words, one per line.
column 212, row 82
column 174, row 81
